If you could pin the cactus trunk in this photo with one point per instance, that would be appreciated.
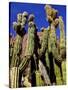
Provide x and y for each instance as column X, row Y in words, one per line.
column 16, row 51
column 14, row 77
column 31, row 40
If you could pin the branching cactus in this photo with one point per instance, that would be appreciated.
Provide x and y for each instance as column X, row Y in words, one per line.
column 52, row 41
column 19, row 28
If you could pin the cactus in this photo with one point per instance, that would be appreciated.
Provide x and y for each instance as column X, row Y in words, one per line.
column 24, row 63
column 30, row 43
column 31, row 36
column 47, row 60
column 52, row 42
column 53, row 46
column 51, row 13
column 62, row 37
column 63, row 65
column 58, row 74
column 18, row 26
column 14, row 77
column 55, row 52
column 44, row 41
column 62, row 48
column 11, row 45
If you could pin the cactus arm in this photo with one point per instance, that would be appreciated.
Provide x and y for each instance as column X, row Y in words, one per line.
column 62, row 37
column 44, row 41
column 31, row 39
column 24, row 63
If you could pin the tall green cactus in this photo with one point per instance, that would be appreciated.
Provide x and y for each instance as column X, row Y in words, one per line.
column 11, row 45
column 42, row 51
column 55, row 53
column 30, row 42
column 31, row 35
column 62, row 36
column 52, row 42
column 62, row 48
column 18, row 26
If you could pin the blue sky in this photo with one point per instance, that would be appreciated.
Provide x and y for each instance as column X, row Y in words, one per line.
column 37, row 10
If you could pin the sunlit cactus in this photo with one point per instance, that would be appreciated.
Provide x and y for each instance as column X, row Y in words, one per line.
column 62, row 48
column 51, row 13
column 52, row 41
column 18, row 40
column 14, row 77
column 31, row 35
column 62, row 37
column 19, row 28
column 44, row 41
